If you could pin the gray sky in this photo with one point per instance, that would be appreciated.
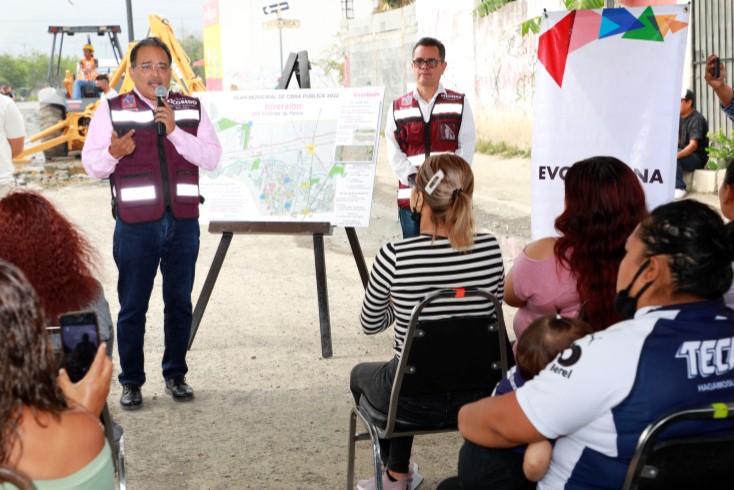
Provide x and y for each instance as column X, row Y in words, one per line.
column 24, row 23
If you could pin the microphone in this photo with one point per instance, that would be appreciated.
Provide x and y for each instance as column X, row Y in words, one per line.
column 160, row 92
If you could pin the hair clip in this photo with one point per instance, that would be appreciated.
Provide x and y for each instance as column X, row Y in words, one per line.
column 435, row 180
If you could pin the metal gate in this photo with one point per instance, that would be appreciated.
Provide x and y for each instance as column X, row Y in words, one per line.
column 712, row 31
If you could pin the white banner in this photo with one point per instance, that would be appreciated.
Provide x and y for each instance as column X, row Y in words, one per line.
column 608, row 82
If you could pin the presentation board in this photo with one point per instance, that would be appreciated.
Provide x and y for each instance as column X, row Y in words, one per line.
column 293, row 155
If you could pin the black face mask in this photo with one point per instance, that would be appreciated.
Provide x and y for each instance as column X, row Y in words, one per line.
column 626, row 306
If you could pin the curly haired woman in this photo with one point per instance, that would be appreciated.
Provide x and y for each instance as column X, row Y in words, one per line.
column 49, row 427
column 55, row 256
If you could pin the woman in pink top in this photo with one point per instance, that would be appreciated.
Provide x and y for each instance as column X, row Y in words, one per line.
column 578, row 269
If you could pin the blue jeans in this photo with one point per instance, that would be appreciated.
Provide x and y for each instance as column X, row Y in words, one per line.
column 483, row 467
column 78, row 84
column 139, row 249
column 686, row 164
column 374, row 381
column 410, row 227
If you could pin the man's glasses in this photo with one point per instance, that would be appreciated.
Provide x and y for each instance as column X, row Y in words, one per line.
column 146, row 68
column 430, row 62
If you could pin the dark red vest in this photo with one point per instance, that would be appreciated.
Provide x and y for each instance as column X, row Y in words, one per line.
column 155, row 178
column 418, row 139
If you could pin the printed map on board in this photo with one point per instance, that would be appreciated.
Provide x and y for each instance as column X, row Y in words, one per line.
column 287, row 169
column 289, row 160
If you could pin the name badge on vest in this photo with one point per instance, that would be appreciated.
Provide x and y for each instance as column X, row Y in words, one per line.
column 447, row 131
column 129, row 102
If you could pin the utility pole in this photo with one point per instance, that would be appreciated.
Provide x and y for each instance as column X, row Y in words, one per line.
column 130, row 30
column 280, row 36
column 280, row 23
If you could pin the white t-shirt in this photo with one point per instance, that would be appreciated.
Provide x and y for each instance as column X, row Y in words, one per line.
column 111, row 93
column 11, row 127
column 598, row 396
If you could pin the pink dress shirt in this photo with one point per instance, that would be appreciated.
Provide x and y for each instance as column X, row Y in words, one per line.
column 545, row 286
column 202, row 150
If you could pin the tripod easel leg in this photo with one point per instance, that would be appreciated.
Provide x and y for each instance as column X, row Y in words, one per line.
column 211, row 279
column 358, row 255
column 323, row 295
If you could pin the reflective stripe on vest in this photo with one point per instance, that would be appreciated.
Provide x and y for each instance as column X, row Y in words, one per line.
column 155, row 178
column 134, row 194
column 444, row 125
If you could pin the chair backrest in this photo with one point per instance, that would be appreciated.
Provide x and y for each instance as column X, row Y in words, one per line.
column 450, row 355
column 16, row 477
column 701, row 460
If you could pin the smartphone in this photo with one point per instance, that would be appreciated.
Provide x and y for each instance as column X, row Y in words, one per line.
column 79, row 342
column 717, row 68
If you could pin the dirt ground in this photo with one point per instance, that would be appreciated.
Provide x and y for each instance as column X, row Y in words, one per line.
column 270, row 412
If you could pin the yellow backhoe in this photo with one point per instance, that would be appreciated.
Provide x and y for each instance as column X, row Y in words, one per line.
column 64, row 121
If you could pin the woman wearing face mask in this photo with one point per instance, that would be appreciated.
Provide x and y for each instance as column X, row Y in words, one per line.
column 448, row 254
column 671, row 353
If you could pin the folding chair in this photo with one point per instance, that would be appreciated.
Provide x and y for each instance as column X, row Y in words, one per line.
column 699, row 461
column 452, row 355
column 16, row 477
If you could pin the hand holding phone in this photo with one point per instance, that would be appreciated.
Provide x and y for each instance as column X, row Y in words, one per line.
column 79, row 342
column 92, row 391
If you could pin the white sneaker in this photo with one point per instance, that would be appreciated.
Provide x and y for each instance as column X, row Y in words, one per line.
column 404, row 483
column 680, row 193
column 414, row 478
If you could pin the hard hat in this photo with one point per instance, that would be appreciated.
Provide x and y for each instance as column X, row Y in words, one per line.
column 89, row 47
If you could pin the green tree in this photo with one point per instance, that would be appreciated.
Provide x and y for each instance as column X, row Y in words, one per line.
column 332, row 60
column 194, row 48
column 486, row 7
column 31, row 70
column 14, row 71
column 385, row 5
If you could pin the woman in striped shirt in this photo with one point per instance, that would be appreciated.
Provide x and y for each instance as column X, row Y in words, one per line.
column 447, row 254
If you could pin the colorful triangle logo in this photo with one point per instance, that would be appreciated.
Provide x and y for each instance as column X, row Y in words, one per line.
column 617, row 21
column 649, row 30
column 553, row 47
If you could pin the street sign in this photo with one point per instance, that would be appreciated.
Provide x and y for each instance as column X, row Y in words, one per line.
column 275, row 8
column 282, row 24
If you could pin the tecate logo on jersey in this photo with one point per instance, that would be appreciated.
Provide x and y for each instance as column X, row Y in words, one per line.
column 707, row 357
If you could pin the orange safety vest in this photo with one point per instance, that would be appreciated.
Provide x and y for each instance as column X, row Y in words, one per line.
column 87, row 69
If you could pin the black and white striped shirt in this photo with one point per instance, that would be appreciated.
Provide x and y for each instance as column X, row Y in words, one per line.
column 408, row 270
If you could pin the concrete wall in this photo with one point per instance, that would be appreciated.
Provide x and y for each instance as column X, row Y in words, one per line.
column 488, row 58
column 379, row 49
column 505, row 74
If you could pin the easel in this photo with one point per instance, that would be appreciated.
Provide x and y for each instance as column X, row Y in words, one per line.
column 299, row 65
